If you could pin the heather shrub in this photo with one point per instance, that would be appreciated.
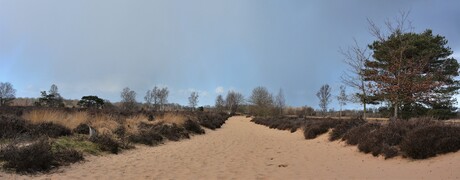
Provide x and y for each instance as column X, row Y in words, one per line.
column 312, row 131
column 120, row 131
column 50, row 129
column 317, row 127
column 343, row 127
column 193, row 127
column 425, row 142
column 211, row 120
column 106, row 143
column 11, row 127
column 150, row 138
column 67, row 156
column 357, row 134
column 25, row 157
column 389, row 151
column 385, row 139
column 171, row 132
column 281, row 123
column 81, row 129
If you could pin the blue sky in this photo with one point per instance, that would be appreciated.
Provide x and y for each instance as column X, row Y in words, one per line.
column 210, row 46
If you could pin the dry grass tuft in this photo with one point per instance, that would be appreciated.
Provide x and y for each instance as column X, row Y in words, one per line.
column 132, row 123
column 103, row 123
column 69, row 120
column 171, row 118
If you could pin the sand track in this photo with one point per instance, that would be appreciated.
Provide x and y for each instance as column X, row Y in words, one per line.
column 244, row 150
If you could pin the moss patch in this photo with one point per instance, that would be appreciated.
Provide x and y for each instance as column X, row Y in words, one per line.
column 78, row 143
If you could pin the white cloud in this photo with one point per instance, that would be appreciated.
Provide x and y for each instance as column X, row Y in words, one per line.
column 219, row 90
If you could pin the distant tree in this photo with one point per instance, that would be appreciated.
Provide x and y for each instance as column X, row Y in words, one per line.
column 54, row 90
column 156, row 97
column 109, row 106
column 91, row 102
column 149, row 96
column 220, row 103
column 233, row 101
column 412, row 70
column 262, row 101
column 193, row 100
column 280, row 102
column 162, row 95
column 324, row 96
column 128, row 99
column 342, row 98
column 52, row 99
column 7, row 93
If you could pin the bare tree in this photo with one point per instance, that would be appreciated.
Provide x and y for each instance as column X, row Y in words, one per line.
column 193, row 100
column 233, row 101
column 162, row 97
column 128, row 99
column 280, row 102
column 7, row 93
column 261, row 100
column 324, row 96
column 220, row 103
column 355, row 58
column 342, row 98
column 149, row 98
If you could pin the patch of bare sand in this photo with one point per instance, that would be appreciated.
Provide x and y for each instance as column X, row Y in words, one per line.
column 244, row 150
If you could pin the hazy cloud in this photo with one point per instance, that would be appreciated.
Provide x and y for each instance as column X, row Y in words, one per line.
column 219, row 90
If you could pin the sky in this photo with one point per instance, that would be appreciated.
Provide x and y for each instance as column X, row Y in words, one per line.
column 99, row 47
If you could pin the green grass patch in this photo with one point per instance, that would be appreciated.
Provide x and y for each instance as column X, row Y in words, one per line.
column 78, row 143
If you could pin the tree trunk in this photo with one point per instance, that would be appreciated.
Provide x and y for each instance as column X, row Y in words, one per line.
column 364, row 111
column 395, row 116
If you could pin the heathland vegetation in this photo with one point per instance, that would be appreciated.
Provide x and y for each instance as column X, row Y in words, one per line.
column 412, row 75
column 48, row 134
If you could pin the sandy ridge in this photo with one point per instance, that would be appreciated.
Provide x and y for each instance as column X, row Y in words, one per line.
column 244, row 150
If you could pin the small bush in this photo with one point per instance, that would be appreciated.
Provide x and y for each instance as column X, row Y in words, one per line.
column 11, row 127
column 428, row 141
column 67, row 156
column 316, row 128
column 171, row 132
column 390, row 151
column 120, row 131
column 106, row 143
column 312, row 131
column 150, row 138
column 29, row 158
column 193, row 127
column 81, row 129
column 341, row 129
column 358, row 134
column 211, row 120
column 286, row 123
column 50, row 129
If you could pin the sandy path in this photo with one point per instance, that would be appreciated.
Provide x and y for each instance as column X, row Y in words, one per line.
column 244, row 150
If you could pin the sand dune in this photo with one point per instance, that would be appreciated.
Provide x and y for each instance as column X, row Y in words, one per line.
column 244, row 150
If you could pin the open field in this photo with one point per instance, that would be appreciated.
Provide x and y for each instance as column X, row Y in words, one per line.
column 244, row 150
